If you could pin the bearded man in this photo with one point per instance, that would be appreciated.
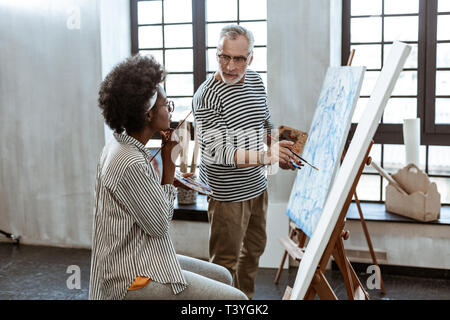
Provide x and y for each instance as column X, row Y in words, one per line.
column 232, row 120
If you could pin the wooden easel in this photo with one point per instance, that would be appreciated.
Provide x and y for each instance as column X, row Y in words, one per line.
column 358, row 205
column 367, row 235
column 335, row 248
column 296, row 250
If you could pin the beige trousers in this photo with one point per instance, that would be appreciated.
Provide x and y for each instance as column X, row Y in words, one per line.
column 238, row 238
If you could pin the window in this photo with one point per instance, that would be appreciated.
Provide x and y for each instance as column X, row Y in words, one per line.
column 441, row 46
column 165, row 30
column 422, row 90
column 183, row 34
column 251, row 14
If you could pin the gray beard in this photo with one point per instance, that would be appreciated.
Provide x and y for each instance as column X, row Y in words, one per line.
column 229, row 82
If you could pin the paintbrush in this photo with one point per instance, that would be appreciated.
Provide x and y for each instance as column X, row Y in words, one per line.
column 295, row 154
column 164, row 143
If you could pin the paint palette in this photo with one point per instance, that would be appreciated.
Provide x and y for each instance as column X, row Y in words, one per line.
column 193, row 184
column 297, row 136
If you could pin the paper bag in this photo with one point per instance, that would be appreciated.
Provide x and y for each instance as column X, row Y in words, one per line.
column 422, row 201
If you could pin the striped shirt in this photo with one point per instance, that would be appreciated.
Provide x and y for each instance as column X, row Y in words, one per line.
column 132, row 215
column 231, row 117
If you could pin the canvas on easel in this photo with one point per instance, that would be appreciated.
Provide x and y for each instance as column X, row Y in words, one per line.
column 324, row 146
column 326, row 235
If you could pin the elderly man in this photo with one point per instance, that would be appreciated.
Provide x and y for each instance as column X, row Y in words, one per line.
column 232, row 118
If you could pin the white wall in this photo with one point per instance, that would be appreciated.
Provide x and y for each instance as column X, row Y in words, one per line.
column 404, row 244
column 52, row 131
column 298, row 55
column 115, row 37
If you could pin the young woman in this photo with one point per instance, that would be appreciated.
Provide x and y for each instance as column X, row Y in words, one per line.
column 132, row 253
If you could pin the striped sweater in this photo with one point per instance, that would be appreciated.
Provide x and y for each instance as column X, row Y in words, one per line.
column 132, row 215
column 231, row 117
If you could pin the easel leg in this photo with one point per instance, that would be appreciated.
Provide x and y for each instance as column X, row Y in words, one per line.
column 339, row 258
column 335, row 245
column 301, row 238
column 369, row 241
column 359, row 293
column 310, row 294
column 321, row 286
column 280, row 269
column 355, row 289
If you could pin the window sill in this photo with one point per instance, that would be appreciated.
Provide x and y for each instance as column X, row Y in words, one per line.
column 371, row 212
column 377, row 212
column 192, row 212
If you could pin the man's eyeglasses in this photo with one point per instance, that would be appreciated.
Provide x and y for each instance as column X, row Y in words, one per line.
column 239, row 60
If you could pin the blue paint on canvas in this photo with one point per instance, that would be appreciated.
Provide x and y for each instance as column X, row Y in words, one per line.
column 325, row 144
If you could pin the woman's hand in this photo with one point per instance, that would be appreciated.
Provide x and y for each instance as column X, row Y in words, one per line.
column 170, row 151
column 166, row 134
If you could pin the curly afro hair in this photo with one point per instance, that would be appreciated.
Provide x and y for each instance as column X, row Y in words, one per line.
column 125, row 93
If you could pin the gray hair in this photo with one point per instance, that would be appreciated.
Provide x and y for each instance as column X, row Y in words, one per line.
column 232, row 31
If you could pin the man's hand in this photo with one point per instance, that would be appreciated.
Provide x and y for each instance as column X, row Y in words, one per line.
column 280, row 152
column 286, row 166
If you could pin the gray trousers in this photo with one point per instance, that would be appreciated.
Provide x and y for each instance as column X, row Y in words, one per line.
column 206, row 281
